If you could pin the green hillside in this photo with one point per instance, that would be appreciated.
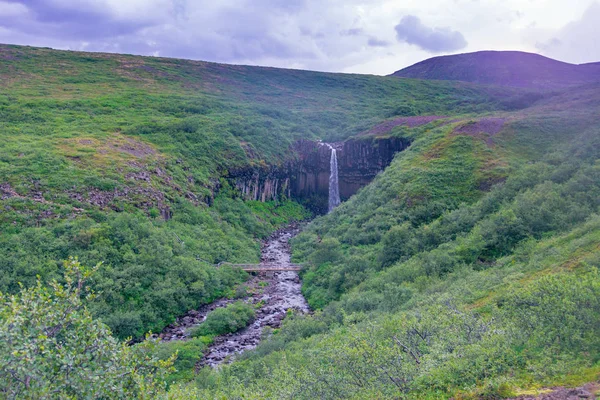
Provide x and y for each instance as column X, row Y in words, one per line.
column 430, row 287
column 96, row 148
column 467, row 269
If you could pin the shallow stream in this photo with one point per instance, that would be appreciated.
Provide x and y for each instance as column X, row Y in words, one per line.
column 275, row 292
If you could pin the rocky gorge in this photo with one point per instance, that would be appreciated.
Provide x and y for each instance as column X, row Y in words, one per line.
column 306, row 177
column 273, row 294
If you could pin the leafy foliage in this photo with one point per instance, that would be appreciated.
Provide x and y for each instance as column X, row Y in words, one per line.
column 187, row 353
column 148, row 277
column 226, row 320
column 51, row 347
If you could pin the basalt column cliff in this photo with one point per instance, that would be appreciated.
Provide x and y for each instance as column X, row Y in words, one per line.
column 359, row 160
column 307, row 178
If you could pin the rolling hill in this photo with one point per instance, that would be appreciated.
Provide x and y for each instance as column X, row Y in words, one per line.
column 503, row 68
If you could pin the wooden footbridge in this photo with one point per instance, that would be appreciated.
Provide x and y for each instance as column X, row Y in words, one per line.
column 265, row 267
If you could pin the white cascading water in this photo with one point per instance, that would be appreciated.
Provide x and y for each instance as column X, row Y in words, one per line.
column 334, row 186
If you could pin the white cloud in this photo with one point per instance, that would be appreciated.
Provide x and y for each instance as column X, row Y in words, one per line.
column 332, row 35
column 578, row 41
column 12, row 9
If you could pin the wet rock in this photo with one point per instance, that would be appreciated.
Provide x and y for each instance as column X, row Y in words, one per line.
column 282, row 292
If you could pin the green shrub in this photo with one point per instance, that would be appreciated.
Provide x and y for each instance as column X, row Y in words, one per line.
column 51, row 347
column 187, row 352
column 148, row 277
column 226, row 320
column 327, row 251
column 558, row 314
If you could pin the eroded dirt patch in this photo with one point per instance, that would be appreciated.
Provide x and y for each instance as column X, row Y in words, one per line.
column 111, row 148
column 484, row 128
column 589, row 391
column 134, row 147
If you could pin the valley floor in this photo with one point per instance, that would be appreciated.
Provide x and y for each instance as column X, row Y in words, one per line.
column 272, row 294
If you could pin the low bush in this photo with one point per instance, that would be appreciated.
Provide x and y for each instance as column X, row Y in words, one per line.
column 51, row 347
column 187, row 353
column 226, row 320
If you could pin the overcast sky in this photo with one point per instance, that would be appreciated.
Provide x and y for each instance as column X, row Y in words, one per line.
column 368, row 36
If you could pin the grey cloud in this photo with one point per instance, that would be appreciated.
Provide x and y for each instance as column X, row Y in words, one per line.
column 179, row 8
column 434, row 40
column 227, row 34
column 577, row 41
column 288, row 33
column 304, row 31
column 249, row 34
column 290, row 6
column 353, row 32
column 57, row 12
column 374, row 42
column 83, row 20
column 371, row 41
column 549, row 45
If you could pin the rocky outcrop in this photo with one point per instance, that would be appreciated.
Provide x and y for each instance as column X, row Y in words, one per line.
column 306, row 178
column 309, row 175
column 262, row 184
column 360, row 160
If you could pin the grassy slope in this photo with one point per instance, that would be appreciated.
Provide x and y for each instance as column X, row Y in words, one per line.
column 441, row 171
column 160, row 132
column 67, row 117
column 493, row 291
column 94, row 148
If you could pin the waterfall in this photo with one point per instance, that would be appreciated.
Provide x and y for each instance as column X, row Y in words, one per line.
column 334, row 186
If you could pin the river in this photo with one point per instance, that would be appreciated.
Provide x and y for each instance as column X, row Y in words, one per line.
column 274, row 293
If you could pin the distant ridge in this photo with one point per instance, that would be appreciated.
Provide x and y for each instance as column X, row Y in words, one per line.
column 504, row 68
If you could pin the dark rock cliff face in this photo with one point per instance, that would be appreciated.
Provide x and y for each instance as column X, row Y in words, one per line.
column 360, row 160
column 262, row 184
column 306, row 178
